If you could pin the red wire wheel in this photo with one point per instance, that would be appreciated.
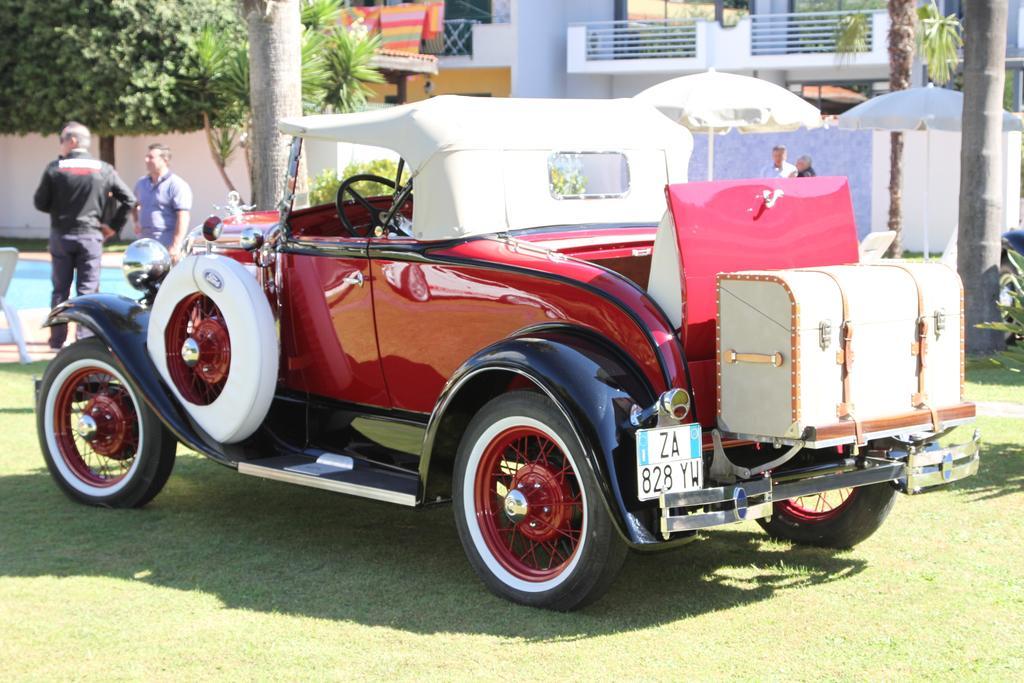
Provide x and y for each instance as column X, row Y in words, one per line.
column 198, row 321
column 819, row 507
column 96, row 427
column 529, row 504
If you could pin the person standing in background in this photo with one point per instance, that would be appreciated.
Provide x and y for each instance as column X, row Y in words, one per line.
column 76, row 190
column 164, row 202
column 779, row 168
column 804, row 168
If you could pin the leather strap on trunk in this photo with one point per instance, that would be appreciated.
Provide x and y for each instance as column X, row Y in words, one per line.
column 919, row 348
column 844, row 357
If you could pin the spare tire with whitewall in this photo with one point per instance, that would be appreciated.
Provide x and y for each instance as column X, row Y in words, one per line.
column 213, row 339
column 101, row 442
column 528, row 508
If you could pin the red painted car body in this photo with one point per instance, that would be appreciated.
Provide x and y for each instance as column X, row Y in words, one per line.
column 375, row 345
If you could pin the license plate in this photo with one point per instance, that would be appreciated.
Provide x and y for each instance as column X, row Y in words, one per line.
column 668, row 460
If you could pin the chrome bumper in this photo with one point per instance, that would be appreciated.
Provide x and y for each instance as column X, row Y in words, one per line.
column 916, row 471
column 935, row 466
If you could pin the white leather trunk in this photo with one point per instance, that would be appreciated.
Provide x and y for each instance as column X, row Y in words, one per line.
column 781, row 352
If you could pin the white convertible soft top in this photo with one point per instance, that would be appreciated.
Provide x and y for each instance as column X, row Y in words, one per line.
column 480, row 163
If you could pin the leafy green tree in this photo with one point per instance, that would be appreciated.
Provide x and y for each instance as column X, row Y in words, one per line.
column 118, row 66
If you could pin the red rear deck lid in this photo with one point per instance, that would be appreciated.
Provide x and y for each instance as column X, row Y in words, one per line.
column 757, row 224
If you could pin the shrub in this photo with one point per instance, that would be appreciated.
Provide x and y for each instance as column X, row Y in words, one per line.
column 1011, row 305
column 324, row 187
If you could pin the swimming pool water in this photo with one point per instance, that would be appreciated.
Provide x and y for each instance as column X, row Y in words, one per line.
column 31, row 286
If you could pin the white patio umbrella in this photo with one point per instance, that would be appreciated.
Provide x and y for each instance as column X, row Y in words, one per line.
column 715, row 102
column 916, row 109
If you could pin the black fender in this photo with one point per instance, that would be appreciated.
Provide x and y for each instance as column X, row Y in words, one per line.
column 122, row 324
column 591, row 381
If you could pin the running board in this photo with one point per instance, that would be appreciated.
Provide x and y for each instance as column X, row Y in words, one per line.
column 338, row 473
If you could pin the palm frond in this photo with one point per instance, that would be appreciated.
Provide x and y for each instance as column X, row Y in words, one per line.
column 236, row 74
column 318, row 15
column 314, row 69
column 939, row 40
column 348, row 62
column 851, row 36
column 225, row 143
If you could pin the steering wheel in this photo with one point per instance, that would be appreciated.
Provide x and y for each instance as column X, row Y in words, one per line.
column 381, row 222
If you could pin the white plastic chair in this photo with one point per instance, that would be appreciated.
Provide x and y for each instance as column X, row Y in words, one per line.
column 874, row 245
column 11, row 333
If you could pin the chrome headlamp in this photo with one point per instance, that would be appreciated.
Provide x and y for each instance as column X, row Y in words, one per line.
column 146, row 263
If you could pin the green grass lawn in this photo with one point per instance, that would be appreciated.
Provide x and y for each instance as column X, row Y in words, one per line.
column 227, row 576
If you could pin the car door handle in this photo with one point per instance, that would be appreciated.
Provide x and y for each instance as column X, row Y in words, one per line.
column 355, row 278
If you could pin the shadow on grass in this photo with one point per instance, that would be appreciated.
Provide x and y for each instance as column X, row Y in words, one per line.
column 987, row 372
column 1001, row 472
column 270, row 547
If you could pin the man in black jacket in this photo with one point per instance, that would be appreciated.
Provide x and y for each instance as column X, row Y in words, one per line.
column 76, row 190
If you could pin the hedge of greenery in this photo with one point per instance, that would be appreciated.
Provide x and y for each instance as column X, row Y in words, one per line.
column 118, row 67
column 324, row 187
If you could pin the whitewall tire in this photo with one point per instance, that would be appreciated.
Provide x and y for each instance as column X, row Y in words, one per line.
column 528, row 508
column 100, row 441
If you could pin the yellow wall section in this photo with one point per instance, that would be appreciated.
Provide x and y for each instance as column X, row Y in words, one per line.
column 493, row 82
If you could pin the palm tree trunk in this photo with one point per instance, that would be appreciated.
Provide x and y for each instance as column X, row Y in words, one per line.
column 981, row 169
column 901, row 59
column 275, row 86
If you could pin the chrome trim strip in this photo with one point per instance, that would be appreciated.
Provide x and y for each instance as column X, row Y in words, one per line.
column 327, row 484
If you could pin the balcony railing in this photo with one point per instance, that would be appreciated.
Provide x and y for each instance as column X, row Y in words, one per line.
column 455, row 41
column 642, row 39
column 806, row 32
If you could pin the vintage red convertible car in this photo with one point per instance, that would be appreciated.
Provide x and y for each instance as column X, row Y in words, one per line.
column 556, row 333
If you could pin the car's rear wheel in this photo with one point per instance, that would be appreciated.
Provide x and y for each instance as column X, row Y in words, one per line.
column 101, row 443
column 528, row 509
column 834, row 519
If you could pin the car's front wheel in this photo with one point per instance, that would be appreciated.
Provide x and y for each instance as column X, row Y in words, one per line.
column 834, row 519
column 528, row 509
column 101, row 443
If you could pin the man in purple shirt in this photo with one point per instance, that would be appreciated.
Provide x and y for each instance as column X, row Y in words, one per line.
column 164, row 202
